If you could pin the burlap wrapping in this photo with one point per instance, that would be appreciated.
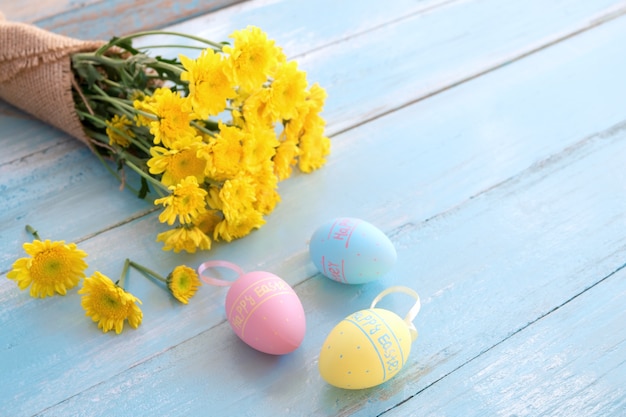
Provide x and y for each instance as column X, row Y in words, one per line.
column 36, row 76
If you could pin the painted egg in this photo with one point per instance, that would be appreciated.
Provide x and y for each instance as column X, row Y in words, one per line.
column 351, row 251
column 266, row 313
column 365, row 349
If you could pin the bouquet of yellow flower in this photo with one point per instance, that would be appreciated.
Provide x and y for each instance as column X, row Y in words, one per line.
column 210, row 136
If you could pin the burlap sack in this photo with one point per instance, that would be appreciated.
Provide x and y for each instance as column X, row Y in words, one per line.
column 36, row 76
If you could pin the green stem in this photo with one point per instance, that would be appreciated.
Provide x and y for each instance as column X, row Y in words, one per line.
column 117, row 41
column 202, row 128
column 158, row 184
column 102, row 123
column 115, row 174
column 99, row 59
column 165, row 65
column 97, row 120
column 173, row 46
column 147, row 271
column 120, row 282
column 30, row 229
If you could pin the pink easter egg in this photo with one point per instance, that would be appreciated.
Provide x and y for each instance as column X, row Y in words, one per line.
column 266, row 313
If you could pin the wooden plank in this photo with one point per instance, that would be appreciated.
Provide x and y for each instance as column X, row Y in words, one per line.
column 304, row 26
column 488, row 144
column 31, row 11
column 435, row 47
column 98, row 19
column 546, row 243
column 569, row 362
column 351, row 99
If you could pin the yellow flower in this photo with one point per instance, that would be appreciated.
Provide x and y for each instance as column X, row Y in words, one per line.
column 316, row 98
column 229, row 230
column 185, row 202
column 173, row 114
column 287, row 92
column 259, row 146
column 314, row 146
column 52, row 267
column 265, row 184
column 187, row 238
column 109, row 305
column 236, row 196
column 209, row 86
column 236, row 201
column 178, row 163
column 118, row 130
column 286, row 154
column 183, row 282
column 224, row 153
column 303, row 137
column 252, row 58
column 206, row 221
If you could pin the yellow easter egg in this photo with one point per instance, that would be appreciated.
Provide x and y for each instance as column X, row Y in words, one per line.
column 365, row 349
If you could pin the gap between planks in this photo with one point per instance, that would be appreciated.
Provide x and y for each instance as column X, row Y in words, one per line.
column 614, row 14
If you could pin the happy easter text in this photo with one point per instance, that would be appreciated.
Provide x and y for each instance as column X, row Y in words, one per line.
column 381, row 337
column 254, row 297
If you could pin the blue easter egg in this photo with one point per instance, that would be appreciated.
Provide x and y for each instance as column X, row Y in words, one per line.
column 351, row 251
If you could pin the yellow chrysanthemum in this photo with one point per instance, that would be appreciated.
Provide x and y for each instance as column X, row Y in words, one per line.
column 118, row 130
column 315, row 98
column 52, row 267
column 259, row 146
column 209, row 86
column 145, row 105
column 286, row 154
column 173, row 113
column 224, row 153
column 178, row 163
column 303, row 137
column 183, row 282
column 185, row 202
column 236, row 200
column 254, row 109
column 207, row 221
column 287, row 92
column 187, row 238
column 314, row 146
column 308, row 111
column 252, row 58
column 109, row 305
column 229, row 230
column 265, row 185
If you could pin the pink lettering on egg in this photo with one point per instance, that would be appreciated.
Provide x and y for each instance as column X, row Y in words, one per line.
column 342, row 229
column 334, row 270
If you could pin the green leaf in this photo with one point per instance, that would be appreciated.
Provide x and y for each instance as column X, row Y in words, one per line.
column 144, row 189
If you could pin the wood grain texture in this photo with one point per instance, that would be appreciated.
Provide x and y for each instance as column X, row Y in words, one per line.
column 103, row 19
column 352, row 99
column 502, row 196
column 486, row 269
column 570, row 362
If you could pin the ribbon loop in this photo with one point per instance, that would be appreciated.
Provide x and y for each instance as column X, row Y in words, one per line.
column 412, row 312
column 218, row 264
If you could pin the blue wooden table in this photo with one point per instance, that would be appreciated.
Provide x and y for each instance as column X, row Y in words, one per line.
column 486, row 138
